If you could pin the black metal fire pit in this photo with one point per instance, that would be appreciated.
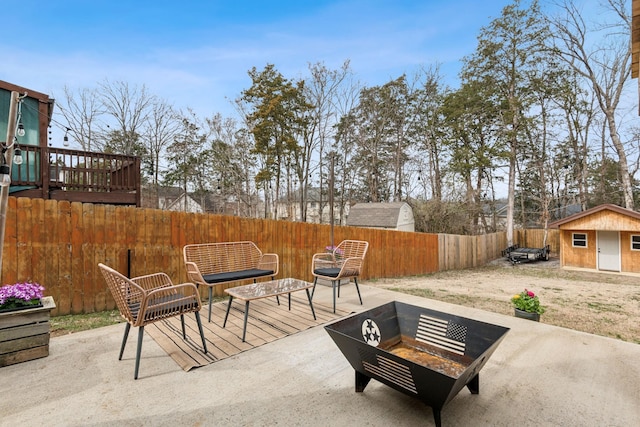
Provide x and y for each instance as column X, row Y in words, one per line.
column 424, row 353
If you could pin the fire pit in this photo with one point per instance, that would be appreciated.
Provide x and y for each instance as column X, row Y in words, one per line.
column 423, row 353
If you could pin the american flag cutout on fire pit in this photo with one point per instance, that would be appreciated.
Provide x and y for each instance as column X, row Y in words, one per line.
column 443, row 334
column 399, row 345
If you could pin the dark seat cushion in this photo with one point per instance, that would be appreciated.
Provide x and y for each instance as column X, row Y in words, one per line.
column 236, row 275
column 327, row 272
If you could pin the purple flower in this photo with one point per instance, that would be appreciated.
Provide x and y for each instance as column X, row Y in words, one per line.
column 339, row 252
column 20, row 294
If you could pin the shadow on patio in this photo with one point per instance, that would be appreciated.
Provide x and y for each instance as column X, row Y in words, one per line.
column 539, row 375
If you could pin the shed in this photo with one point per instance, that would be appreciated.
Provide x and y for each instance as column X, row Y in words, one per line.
column 390, row 216
column 605, row 238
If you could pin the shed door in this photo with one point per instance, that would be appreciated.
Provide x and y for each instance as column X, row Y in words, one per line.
column 608, row 250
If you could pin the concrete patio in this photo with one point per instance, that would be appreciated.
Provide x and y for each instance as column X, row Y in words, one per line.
column 540, row 375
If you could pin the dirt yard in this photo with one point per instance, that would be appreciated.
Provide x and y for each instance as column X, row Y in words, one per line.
column 605, row 304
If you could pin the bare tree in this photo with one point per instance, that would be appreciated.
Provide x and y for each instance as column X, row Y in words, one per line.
column 233, row 164
column 607, row 68
column 572, row 153
column 159, row 130
column 129, row 106
column 345, row 100
column 189, row 157
column 426, row 128
column 81, row 112
column 321, row 91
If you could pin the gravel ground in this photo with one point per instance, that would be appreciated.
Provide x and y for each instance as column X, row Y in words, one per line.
column 606, row 304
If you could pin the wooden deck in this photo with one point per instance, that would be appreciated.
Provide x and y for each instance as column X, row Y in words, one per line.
column 77, row 176
column 267, row 322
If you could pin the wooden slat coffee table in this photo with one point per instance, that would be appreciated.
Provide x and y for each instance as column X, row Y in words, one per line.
column 273, row 288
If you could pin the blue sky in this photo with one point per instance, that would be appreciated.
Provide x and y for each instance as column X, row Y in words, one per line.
column 197, row 53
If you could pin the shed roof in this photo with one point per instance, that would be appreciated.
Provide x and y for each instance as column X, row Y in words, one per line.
column 582, row 219
column 375, row 214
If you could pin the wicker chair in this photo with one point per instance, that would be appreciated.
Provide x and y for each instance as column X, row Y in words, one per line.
column 147, row 299
column 344, row 262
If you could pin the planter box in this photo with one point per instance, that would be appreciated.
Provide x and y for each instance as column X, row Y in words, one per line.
column 526, row 315
column 24, row 334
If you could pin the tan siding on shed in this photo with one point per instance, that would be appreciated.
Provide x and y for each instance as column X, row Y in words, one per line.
column 630, row 259
column 576, row 256
column 603, row 220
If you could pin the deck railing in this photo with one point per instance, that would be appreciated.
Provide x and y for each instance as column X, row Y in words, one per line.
column 74, row 175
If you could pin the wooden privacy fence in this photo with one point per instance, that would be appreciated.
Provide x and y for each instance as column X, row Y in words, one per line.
column 59, row 245
column 457, row 252
column 534, row 238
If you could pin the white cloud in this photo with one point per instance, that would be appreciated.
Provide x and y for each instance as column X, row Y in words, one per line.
column 203, row 67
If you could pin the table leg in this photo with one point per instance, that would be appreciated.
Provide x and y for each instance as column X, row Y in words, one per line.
column 228, row 308
column 310, row 304
column 246, row 316
column 289, row 301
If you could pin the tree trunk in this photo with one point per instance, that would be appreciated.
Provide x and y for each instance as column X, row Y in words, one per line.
column 627, row 187
column 511, row 199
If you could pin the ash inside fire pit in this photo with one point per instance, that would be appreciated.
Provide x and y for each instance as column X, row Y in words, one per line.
column 424, row 353
column 430, row 357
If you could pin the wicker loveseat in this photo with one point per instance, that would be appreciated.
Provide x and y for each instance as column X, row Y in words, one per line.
column 214, row 264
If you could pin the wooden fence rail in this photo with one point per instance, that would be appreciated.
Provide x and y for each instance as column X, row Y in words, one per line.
column 534, row 238
column 60, row 243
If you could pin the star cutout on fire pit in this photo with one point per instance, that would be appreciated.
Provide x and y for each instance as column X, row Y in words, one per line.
column 371, row 332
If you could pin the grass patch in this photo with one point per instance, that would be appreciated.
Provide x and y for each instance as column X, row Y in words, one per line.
column 445, row 296
column 596, row 312
column 70, row 323
column 605, row 308
column 563, row 303
column 424, row 293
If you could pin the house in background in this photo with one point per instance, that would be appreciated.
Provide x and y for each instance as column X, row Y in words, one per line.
column 318, row 209
column 59, row 173
column 604, row 238
column 391, row 216
column 176, row 199
column 494, row 217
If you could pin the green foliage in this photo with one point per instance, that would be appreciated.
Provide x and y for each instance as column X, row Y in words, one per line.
column 527, row 301
column 189, row 157
column 605, row 180
column 129, row 143
column 276, row 118
column 378, row 128
column 81, row 322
